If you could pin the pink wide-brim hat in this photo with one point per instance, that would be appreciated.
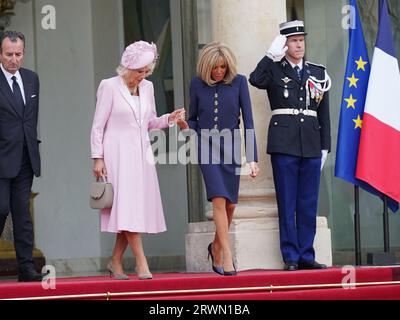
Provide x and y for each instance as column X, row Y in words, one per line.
column 139, row 55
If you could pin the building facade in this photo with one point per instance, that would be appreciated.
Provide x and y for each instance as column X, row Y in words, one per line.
column 74, row 44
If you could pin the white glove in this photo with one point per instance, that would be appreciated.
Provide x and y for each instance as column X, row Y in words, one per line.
column 278, row 48
column 324, row 155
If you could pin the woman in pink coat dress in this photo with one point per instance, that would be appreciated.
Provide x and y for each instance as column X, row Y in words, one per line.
column 125, row 112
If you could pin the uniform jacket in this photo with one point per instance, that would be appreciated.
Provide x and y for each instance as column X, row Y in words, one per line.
column 15, row 127
column 297, row 135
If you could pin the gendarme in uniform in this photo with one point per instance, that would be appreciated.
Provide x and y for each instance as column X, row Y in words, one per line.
column 298, row 134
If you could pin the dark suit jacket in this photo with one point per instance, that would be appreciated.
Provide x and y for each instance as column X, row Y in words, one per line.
column 16, row 128
column 296, row 135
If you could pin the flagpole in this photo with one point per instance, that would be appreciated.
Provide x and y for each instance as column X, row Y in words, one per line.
column 386, row 225
column 357, row 224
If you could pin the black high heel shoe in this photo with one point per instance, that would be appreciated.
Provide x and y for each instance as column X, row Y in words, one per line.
column 218, row 270
column 231, row 273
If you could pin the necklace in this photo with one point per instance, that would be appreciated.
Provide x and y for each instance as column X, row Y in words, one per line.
column 133, row 91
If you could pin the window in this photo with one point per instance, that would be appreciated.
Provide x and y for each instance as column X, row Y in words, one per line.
column 150, row 20
column 295, row 10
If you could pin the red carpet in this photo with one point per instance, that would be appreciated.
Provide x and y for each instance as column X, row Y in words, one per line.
column 210, row 281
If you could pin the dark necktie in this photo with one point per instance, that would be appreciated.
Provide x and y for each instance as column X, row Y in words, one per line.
column 18, row 100
column 298, row 72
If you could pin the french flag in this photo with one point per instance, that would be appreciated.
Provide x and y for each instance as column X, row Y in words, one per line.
column 378, row 160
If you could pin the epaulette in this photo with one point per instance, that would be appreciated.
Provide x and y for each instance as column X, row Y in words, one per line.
column 315, row 64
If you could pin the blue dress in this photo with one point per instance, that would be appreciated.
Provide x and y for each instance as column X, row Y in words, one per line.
column 214, row 113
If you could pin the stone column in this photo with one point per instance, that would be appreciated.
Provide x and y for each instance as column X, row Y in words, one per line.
column 248, row 27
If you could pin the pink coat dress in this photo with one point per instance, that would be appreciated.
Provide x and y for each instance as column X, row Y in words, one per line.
column 120, row 136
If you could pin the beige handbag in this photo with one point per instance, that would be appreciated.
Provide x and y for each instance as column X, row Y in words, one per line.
column 101, row 195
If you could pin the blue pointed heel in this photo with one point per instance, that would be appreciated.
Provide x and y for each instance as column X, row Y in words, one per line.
column 231, row 273
column 216, row 269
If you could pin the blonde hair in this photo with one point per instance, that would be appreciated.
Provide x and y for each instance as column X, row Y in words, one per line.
column 208, row 59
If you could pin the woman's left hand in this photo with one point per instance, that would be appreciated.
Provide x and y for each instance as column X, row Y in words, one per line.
column 178, row 117
column 254, row 169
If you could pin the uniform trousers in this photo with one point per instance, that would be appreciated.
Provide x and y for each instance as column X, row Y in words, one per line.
column 297, row 185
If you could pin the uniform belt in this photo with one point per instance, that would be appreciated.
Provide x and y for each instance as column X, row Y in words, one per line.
column 294, row 112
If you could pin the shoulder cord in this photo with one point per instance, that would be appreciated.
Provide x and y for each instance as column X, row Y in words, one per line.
column 321, row 85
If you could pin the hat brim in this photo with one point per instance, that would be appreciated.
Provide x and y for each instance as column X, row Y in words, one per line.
column 145, row 59
column 293, row 30
column 296, row 34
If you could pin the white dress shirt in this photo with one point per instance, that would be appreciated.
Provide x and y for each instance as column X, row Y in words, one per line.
column 300, row 65
column 10, row 81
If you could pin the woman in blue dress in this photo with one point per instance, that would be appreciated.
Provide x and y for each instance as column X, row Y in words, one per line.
column 218, row 97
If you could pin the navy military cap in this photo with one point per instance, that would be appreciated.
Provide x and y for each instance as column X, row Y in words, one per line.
column 292, row 28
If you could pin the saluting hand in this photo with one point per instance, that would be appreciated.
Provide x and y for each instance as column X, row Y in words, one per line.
column 278, row 48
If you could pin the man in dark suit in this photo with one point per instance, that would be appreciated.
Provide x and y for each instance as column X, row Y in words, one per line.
column 19, row 150
column 298, row 139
